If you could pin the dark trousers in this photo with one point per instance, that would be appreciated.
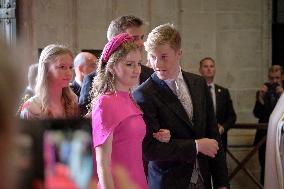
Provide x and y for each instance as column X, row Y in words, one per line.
column 261, row 158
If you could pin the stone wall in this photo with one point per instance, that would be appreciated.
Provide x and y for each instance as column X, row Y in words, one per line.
column 236, row 33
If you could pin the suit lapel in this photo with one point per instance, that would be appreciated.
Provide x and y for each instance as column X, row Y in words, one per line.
column 170, row 99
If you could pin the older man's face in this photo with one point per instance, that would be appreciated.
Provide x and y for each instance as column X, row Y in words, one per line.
column 90, row 64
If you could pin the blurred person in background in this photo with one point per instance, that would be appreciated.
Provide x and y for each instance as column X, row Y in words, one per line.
column 266, row 99
column 222, row 102
column 30, row 89
column 84, row 64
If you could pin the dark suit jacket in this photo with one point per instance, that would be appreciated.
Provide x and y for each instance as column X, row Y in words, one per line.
column 84, row 98
column 225, row 112
column 171, row 164
column 262, row 112
column 75, row 87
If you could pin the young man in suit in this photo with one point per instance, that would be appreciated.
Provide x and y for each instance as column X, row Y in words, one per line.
column 223, row 106
column 134, row 27
column 180, row 102
column 84, row 64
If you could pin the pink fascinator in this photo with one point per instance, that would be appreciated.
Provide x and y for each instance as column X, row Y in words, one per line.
column 114, row 43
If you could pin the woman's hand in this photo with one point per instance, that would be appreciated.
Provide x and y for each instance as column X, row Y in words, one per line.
column 163, row 135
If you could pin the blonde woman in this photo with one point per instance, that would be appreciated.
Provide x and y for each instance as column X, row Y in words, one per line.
column 118, row 126
column 53, row 97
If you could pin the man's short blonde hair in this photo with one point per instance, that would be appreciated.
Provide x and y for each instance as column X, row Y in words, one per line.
column 163, row 34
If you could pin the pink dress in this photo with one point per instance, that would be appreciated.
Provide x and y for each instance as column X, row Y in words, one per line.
column 118, row 114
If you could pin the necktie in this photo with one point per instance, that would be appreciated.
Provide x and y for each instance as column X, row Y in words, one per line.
column 213, row 96
column 184, row 97
column 210, row 87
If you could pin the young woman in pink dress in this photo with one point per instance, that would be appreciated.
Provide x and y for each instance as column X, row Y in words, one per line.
column 117, row 123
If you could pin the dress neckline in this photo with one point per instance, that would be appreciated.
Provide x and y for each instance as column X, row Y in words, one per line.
column 123, row 93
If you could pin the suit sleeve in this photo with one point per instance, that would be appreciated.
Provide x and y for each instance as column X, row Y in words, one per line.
column 84, row 94
column 153, row 150
column 262, row 111
column 231, row 115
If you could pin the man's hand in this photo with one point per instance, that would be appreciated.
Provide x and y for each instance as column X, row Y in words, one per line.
column 263, row 90
column 279, row 89
column 221, row 129
column 163, row 135
column 223, row 187
column 207, row 146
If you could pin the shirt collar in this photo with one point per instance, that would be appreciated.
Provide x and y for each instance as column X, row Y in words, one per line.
column 170, row 81
column 78, row 81
column 212, row 85
column 179, row 76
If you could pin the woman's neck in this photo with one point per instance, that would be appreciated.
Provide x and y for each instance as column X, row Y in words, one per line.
column 55, row 102
column 55, row 94
column 122, row 88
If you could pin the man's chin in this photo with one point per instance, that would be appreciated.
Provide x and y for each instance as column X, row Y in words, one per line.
column 162, row 77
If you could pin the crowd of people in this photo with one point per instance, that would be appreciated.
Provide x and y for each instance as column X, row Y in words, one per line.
column 165, row 127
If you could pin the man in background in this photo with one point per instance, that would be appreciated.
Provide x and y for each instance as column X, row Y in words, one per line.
column 223, row 106
column 84, row 64
column 266, row 99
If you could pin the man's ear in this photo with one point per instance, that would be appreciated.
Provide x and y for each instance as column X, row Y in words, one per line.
column 179, row 53
column 80, row 67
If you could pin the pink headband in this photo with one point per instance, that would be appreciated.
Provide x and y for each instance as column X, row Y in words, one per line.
column 114, row 43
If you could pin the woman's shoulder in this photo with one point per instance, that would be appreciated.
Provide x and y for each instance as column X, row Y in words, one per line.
column 107, row 100
column 109, row 104
column 31, row 108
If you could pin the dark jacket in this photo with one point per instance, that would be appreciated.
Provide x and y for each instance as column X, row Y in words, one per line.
column 225, row 113
column 75, row 87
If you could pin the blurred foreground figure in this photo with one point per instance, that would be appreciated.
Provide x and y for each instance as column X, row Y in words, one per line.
column 274, row 151
column 9, row 71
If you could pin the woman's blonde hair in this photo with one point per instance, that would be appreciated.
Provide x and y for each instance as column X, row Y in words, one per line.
column 104, row 82
column 47, row 57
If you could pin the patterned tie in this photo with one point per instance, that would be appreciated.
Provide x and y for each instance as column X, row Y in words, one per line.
column 184, row 97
